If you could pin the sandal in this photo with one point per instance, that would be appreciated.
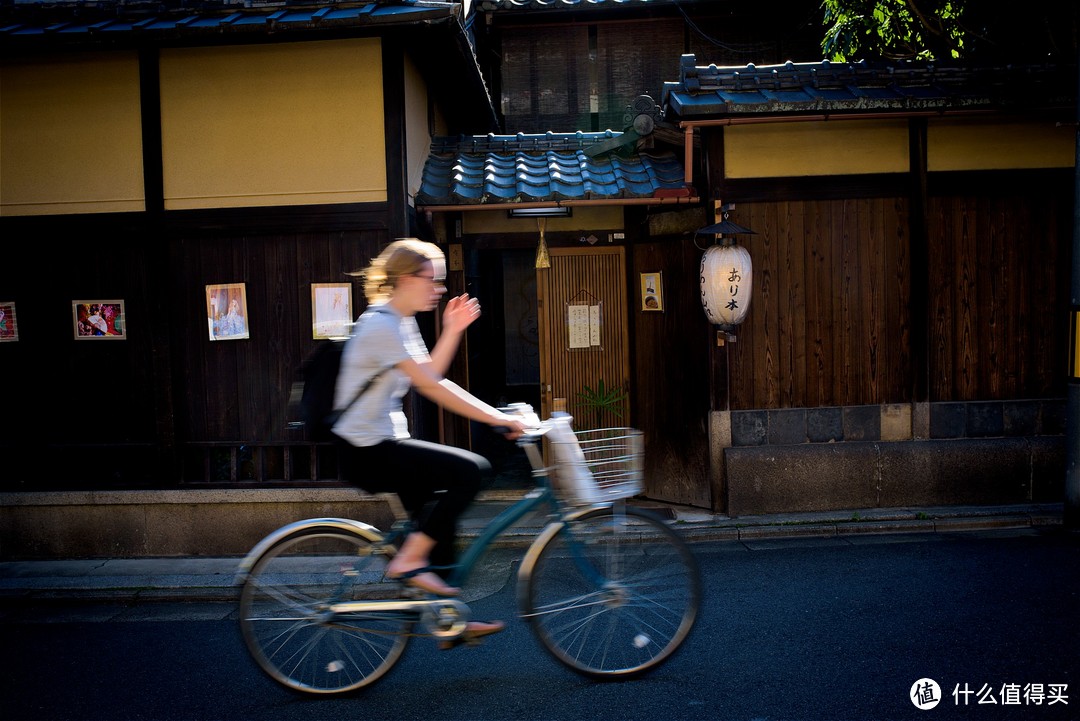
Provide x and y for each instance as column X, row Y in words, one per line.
column 426, row 580
column 474, row 631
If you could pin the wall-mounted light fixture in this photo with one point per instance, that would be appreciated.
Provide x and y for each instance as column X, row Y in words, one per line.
column 560, row 211
column 726, row 274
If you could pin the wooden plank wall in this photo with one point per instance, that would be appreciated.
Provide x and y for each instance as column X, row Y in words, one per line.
column 237, row 390
column 831, row 325
column 120, row 412
column 998, row 296
column 671, row 374
column 85, row 393
column 829, row 322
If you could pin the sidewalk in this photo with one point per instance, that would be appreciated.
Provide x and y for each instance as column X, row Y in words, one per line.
column 213, row 579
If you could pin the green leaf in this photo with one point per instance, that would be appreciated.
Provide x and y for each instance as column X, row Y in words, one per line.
column 602, row 398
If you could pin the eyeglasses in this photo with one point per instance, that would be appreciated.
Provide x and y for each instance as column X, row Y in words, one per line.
column 440, row 283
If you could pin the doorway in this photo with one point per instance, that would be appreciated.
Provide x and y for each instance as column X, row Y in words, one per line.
column 504, row 349
column 554, row 333
column 585, row 347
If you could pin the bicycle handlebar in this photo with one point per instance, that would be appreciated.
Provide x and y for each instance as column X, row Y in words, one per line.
column 535, row 428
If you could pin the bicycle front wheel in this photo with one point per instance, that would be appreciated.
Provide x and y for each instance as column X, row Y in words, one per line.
column 287, row 621
column 612, row 592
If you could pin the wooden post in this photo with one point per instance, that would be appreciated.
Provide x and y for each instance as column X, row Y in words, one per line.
column 719, row 425
column 919, row 280
column 1072, row 407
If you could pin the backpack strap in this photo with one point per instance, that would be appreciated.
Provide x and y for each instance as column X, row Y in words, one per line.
column 336, row 413
column 362, row 391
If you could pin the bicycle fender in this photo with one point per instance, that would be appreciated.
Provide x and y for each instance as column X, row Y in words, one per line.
column 541, row 540
column 360, row 528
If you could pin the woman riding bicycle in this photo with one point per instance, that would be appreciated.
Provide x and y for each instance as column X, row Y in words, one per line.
column 435, row 482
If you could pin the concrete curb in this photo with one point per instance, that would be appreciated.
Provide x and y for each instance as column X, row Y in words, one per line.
column 212, row 579
column 869, row 521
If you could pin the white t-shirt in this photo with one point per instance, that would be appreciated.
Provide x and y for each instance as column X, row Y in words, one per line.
column 381, row 339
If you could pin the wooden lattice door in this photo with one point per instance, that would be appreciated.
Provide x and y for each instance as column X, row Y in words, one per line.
column 583, row 334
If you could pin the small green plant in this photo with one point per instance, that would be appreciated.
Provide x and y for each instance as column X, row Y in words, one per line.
column 602, row 399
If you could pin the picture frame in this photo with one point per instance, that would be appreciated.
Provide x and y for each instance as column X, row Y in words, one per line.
column 331, row 310
column 9, row 326
column 652, row 292
column 99, row 319
column 227, row 311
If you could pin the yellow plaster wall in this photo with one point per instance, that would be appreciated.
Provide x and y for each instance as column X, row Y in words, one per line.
column 417, row 132
column 286, row 124
column 831, row 147
column 496, row 221
column 979, row 144
column 70, row 135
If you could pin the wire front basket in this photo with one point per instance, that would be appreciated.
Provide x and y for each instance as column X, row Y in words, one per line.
column 599, row 465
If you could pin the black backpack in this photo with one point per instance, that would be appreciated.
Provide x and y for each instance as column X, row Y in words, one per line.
column 311, row 399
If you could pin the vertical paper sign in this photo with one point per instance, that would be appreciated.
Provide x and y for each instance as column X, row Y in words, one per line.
column 577, row 324
column 583, row 326
column 583, row 321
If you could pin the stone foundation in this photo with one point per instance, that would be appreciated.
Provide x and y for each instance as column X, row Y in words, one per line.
column 137, row 524
column 833, row 476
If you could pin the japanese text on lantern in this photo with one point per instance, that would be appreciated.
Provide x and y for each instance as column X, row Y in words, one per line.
column 734, row 277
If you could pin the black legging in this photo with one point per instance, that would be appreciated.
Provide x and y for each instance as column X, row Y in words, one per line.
column 420, row 472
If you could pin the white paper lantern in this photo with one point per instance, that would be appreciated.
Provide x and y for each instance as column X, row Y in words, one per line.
column 726, row 282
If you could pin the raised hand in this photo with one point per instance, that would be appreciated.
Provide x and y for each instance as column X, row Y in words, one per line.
column 460, row 312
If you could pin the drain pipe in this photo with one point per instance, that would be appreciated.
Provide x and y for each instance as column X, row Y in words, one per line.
column 1072, row 407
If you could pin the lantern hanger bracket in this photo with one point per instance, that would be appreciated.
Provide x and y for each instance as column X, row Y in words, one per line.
column 722, row 228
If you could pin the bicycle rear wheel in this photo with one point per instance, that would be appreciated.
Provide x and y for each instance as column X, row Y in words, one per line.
column 286, row 620
column 612, row 592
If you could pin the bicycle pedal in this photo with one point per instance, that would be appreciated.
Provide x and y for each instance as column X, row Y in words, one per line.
column 413, row 594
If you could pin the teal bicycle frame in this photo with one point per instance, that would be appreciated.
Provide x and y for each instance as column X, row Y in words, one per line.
column 608, row 588
column 541, row 495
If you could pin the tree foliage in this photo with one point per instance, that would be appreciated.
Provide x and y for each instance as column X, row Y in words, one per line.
column 950, row 29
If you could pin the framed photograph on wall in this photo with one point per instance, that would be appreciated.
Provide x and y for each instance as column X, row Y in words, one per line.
column 652, row 292
column 227, row 311
column 9, row 328
column 99, row 319
column 331, row 309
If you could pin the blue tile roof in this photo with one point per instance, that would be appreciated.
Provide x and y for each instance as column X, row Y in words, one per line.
column 545, row 167
column 81, row 22
column 533, row 5
column 864, row 86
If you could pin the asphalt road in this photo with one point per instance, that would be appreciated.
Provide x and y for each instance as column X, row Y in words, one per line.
column 791, row 630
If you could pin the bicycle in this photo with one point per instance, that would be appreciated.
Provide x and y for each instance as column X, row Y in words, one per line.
column 609, row 589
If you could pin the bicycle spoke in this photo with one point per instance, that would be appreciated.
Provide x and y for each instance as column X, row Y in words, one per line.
column 286, row 618
column 589, row 599
column 614, row 593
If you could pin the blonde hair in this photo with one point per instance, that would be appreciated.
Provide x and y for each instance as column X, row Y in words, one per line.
column 403, row 257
